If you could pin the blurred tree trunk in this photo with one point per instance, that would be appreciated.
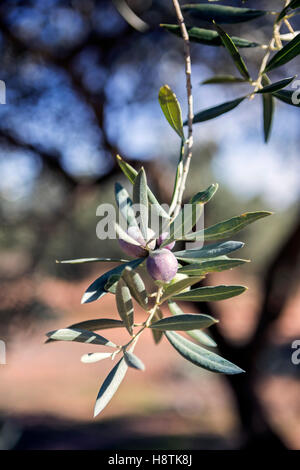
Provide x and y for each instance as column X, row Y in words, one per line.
column 279, row 283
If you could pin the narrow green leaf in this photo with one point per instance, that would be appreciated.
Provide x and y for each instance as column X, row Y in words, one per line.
column 157, row 334
column 184, row 222
column 112, row 283
column 127, row 169
column 184, row 322
column 198, row 335
column 171, row 109
column 284, row 55
column 215, row 111
column 131, row 174
column 124, row 305
column 97, row 289
column 209, row 251
column 207, row 37
column 78, row 335
column 231, row 48
column 141, row 199
column 133, row 361
column 202, row 337
column 125, row 205
column 211, row 266
column 179, row 286
column 203, row 197
column 110, row 386
column 199, row 356
column 136, row 286
column 224, row 79
column 228, row 227
column 98, row 324
column 272, row 87
column 221, row 13
column 95, row 357
column 268, row 109
column 293, row 4
column 211, row 293
column 91, row 260
column 287, row 97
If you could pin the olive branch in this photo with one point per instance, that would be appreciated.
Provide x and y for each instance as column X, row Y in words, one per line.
column 176, row 274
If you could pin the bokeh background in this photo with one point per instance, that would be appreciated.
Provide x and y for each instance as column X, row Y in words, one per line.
column 82, row 85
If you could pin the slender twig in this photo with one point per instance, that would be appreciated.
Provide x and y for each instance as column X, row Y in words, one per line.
column 274, row 44
column 289, row 26
column 188, row 73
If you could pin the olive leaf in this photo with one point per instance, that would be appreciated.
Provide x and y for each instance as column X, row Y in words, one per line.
column 272, row 87
column 98, row 324
column 199, row 356
column 95, row 357
column 97, row 289
column 268, row 108
column 198, row 335
column 210, row 266
column 91, row 260
column 110, row 386
column 222, row 13
column 133, row 361
column 124, row 305
column 224, row 79
column 293, row 5
column 179, row 286
column 136, row 286
column 207, row 37
column 284, row 55
column 287, row 97
column 227, row 227
column 125, row 204
column 184, row 322
column 231, row 48
column 215, row 111
column 203, row 197
column 112, row 282
column 209, row 251
column 157, row 334
column 202, row 337
column 210, row 293
column 78, row 335
column 171, row 109
column 131, row 174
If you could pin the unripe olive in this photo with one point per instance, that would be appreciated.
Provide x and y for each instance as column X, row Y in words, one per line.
column 135, row 250
column 162, row 238
column 162, row 265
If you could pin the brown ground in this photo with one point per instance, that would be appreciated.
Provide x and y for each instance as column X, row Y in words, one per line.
column 50, row 380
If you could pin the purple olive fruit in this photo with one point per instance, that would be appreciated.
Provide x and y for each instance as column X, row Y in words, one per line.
column 162, row 265
column 162, row 238
column 135, row 250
